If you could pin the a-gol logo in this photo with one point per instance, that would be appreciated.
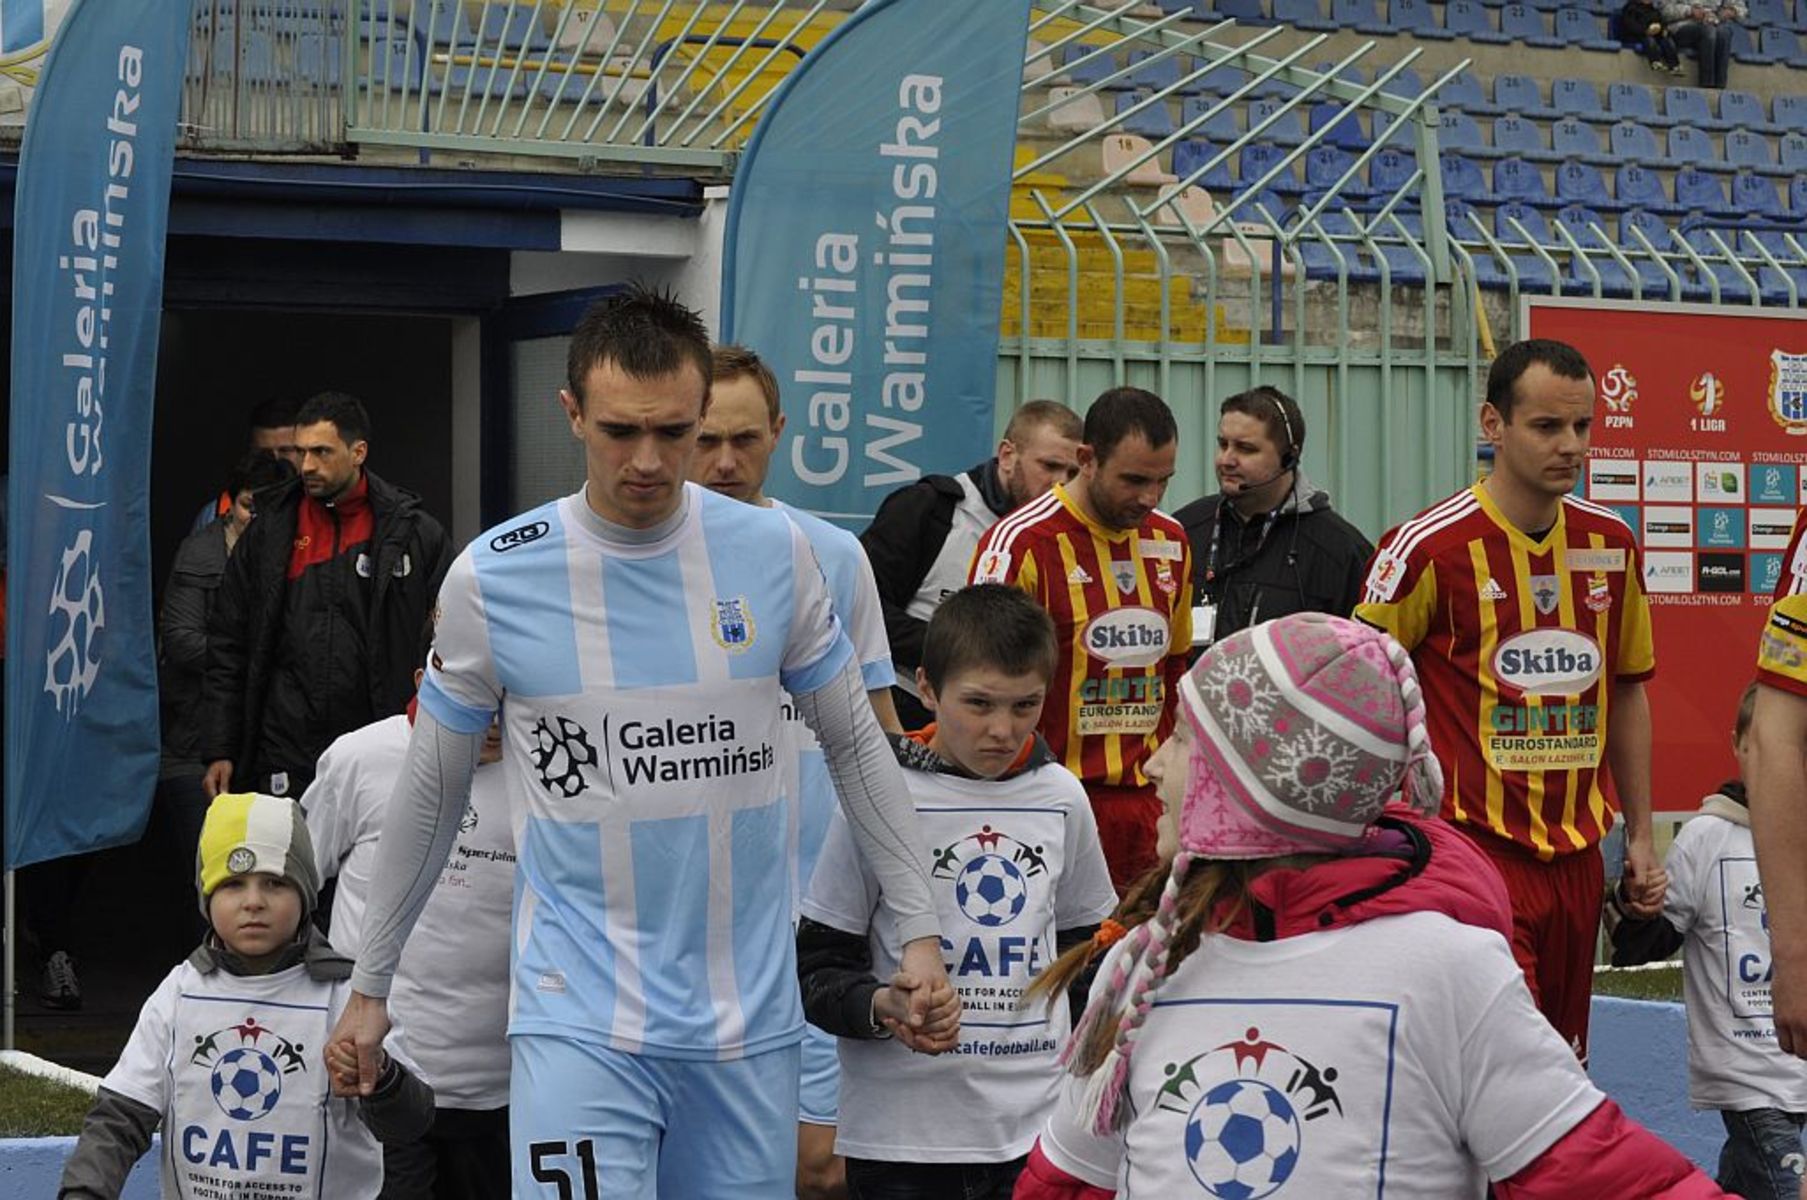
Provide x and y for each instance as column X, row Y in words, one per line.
column 1548, row 662
column 1128, row 637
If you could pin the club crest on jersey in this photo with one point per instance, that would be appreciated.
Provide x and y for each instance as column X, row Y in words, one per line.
column 1251, row 1108
column 993, row 567
column 1125, row 575
column 1385, row 574
column 733, row 627
column 1546, row 592
column 1788, row 391
column 1599, row 593
column 247, row 1064
column 1163, row 577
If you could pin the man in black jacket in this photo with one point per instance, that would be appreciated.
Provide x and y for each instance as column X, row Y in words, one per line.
column 921, row 541
column 315, row 626
column 1276, row 547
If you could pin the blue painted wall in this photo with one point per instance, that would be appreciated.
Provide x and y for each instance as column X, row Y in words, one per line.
column 32, row 1167
column 1638, row 1055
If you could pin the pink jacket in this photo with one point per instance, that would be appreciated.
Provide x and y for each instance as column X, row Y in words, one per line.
column 1422, row 864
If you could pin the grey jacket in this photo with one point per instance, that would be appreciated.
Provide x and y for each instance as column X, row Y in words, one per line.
column 1676, row 12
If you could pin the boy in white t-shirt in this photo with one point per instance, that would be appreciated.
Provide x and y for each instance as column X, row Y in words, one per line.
column 1018, row 877
column 1714, row 908
column 226, row 1053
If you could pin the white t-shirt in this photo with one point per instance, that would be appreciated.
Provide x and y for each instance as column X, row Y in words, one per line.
column 233, row 1064
column 449, row 1001
column 1014, row 861
column 1401, row 1057
column 1716, row 899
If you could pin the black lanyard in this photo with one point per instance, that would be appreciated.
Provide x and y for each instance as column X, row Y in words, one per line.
column 1267, row 527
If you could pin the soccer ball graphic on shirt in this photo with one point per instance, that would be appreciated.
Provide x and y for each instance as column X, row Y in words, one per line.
column 1242, row 1140
column 247, row 1083
column 991, row 890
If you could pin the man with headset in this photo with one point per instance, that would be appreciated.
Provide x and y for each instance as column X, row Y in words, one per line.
column 1276, row 546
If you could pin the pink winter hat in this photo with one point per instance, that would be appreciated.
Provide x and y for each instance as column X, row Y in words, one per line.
column 1304, row 728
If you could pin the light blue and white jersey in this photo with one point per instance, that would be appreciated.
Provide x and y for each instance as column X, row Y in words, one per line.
column 644, row 721
column 855, row 594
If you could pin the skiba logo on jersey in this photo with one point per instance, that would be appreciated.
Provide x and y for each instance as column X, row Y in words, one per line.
column 992, row 875
column 247, row 1066
column 1128, row 637
column 1548, row 662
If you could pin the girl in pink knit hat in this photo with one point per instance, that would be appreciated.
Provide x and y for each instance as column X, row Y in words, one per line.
column 1313, row 996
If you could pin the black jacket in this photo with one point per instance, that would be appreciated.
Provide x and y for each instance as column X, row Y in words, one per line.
column 194, row 581
column 1311, row 560
column 292, row 664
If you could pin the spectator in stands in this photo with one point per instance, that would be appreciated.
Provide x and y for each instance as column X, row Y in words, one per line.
column 922, row 540
column 194, row 579
column 1640, row 26
column 316, row 621
column 273, row 436
column 1705, row 31
column 1268, row 543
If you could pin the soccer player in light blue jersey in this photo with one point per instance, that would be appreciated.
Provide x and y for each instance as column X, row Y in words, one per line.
column 638, row 638
column 740, row 432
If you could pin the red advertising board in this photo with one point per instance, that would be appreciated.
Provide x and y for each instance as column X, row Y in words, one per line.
column 1700, row 443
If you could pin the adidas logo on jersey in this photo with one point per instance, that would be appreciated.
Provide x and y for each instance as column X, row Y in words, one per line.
column 1493, row 591
column 1078, row 575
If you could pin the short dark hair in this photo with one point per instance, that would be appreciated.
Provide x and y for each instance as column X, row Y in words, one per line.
column 645, row 332
column 1062, row 419
column 1747, row 705
column 256, row 471
column 1278, row 413
column 731, row 362
column 1502, row 378
column 1125, row 410
column 988, row 625
column 278, row 412
column 344, row 410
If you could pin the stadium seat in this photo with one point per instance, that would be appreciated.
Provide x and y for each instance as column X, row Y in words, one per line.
column 1251, row 208
column 1415, row 19
column 1632, row 142
column 1794, row 152
column 590, row 30
column 1523, row 137
column 1222, row 79
column 1654, row 279
column 1580, row 222
column 1249, row 12
column 1389, row 170
column 1085, row 67
column 1286, row 128
column 1461, row 133
column 1576, row 98
column 1157, row 76
column 1389, row 129
column 1750, row 151
column 1121, row 149
column 1256, row 160
column 1343, row 257
column 1783, row 46
column 1743, row 110
column 1405, row 266
column 1636, row 186
column 1038, row 64
column 1522, row 23
column 1463, row 91
column 1361, row 15
column 1579, row 183
column 1790, row 113
column 1690, row 106
column 1074, row 111
column 1324, row 165
column 1764, row 13
column 1689, row 145
column 513, row 28
column 1698, row 191
column 1578, row 139
column 1633, row 102
column 1516, row 179
column 1408, row 85
column 1190, row 155
column 1744, row 46
column 1462, row 179
column 1733, row 289
column 1221, row 126
column 1303, row 14
column 317, row 61
column 1344, row 125
column 1153, row 122
column 1519, row 94
column 1469, row 19
column 1352, row 73
column 1755, row 195
column 1797, row 196
column 445, row 23
column 1576, row 27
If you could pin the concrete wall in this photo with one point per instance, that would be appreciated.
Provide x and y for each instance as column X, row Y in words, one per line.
column 1638, row 1055
column 32, row 1166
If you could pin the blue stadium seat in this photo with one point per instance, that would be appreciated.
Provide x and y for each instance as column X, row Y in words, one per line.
column 1353, row 73
column 1516, row 179
column 1156, row 76
column 1222, row 79
column 1249, row 12
column 1464, row 92
column 1461, row 133
column 1408, row 85
column 1286, row 129
column 1790, row 113
column 1463, row 221
column 1632, row 142
column 1794, row 152
column 1751, row 151
column 1256, row 159
column 1085, row 72
column 1469, row 19
column 1781, row 45
column 1361, row 15
column 1222, row 126
column 1414, row 17
column 1190, row 155
column 1580, row 222
column 1462, row 179
column 1633, row 102
column 1689, row 145
column 1699, row 191
column 1327, row 262
column 1522, row 23
column 1797, row 196
column 1523, row 137
column 1388, row 128
column 1690, row 106
column 1576, row 27
column 1579, row 183
column 1764, row 13
column 444, row 22
column 1388, row 171
column 1744, row 110
column 1744, row 46
column 317, row 59
column 1303, row 14
column 513, row 28
column 1637, row 186
column 1578, row 139
column 1519, row 94
column 1755, row 195
column 1404, row 266
column 1324, row 165
column 1655, row 281
column 1344, row 125
column 1577, row 98
column 1263, row 200
column 1732, row 287
column 1153, row 122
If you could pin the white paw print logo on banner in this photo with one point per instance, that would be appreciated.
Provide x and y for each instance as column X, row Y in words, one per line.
column 990, row 871
column 71, row 665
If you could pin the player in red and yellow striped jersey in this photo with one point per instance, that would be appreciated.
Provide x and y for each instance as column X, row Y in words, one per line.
column 1776, row 778
column 1525, row 613
column 1116, row 575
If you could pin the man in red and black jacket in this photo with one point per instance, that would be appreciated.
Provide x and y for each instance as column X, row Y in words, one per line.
column 315, row 626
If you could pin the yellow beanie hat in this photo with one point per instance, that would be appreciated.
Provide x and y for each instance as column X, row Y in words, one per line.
column 246, row 833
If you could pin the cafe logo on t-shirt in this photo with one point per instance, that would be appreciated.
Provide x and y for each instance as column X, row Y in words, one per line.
column 992, row 876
